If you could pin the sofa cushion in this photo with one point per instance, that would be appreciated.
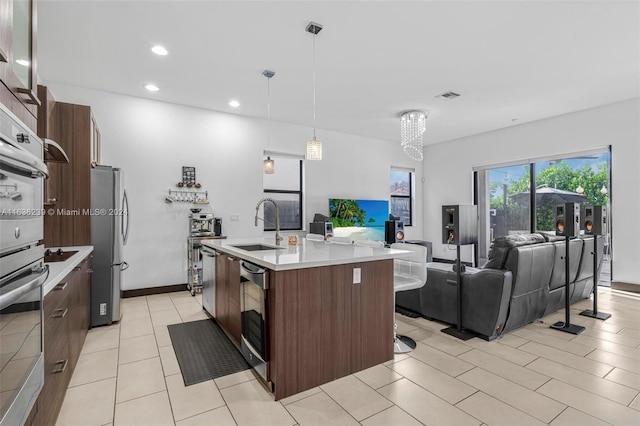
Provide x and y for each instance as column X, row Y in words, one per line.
column 501, row 246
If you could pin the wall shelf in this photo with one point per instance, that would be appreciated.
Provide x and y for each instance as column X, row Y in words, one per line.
column 186, row 196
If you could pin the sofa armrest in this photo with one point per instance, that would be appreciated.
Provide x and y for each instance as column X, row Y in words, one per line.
column 485, row 298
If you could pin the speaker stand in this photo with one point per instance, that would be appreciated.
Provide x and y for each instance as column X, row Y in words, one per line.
column 457, row 330
column 566, row 326
column 593, row 313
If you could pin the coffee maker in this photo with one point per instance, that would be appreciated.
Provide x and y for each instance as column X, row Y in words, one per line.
column 200, row 224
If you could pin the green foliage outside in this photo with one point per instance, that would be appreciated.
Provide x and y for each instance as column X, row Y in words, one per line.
column 561, row 176
column 346, row 213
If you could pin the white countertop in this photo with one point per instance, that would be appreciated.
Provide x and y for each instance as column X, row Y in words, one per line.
column 305, row 254
column 59, row 270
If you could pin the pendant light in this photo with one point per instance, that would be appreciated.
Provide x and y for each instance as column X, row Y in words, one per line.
column 268, row 166
column 314, row 146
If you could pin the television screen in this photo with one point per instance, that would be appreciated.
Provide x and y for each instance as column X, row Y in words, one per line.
column 358, row 219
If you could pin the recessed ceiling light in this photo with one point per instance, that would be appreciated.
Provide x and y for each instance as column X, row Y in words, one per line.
column 234, row 104
column 151, row 87
column 159, row 50
column 23, row 62
column 514, row 119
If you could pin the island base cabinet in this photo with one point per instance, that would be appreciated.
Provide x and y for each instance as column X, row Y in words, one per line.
column 322, row 326
column 227, row 295
column 66, row 323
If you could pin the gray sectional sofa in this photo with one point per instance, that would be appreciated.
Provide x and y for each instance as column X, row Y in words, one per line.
column 523, row 280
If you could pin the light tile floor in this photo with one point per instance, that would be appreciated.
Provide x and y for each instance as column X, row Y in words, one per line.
column 128, row 375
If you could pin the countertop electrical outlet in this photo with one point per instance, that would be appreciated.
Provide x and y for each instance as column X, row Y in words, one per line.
column 356, row 275
column 234, row 217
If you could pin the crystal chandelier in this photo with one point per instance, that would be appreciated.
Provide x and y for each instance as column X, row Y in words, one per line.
column 314, row 146
column 268, row 166
column 412, row 126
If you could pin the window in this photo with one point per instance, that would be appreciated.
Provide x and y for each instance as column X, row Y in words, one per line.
column 506, row 205
column 284, row 186
column 402, row 194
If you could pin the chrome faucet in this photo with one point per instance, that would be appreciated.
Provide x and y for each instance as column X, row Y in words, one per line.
column 278, row 237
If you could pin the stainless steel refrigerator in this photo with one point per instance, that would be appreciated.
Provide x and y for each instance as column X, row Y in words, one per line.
column 109, row 233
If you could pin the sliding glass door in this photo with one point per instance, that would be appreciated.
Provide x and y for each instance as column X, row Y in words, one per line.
column 503, row 204
column 506, row 205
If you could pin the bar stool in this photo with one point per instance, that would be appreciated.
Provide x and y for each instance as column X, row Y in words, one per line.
column 408, row 274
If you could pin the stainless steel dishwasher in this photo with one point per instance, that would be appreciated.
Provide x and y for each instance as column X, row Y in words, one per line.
column 209, row 280
column 254, row 286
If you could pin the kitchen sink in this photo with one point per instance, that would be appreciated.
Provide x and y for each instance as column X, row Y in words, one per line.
column 53, row 256
column 256, row 247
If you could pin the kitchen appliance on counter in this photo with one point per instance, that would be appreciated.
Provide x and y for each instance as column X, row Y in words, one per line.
column 254, row 283
column 109, row 234
column 322, row 228
column 200, row 224
column 22, row 269
column 201, row 227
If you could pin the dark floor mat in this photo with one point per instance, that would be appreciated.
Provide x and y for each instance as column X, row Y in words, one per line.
column 204, row 352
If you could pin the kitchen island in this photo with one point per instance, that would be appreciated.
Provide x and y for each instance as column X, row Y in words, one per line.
column 327, row 310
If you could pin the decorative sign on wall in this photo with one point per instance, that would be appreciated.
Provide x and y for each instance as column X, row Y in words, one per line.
column 188, row 176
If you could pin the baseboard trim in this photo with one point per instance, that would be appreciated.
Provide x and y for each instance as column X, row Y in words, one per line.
column 631, row 288
column 154, row 290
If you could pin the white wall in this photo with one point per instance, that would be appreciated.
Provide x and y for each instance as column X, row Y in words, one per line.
column 449, row 178
column 152, row 140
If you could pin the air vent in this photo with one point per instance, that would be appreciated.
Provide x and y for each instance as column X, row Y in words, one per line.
column 448, row 95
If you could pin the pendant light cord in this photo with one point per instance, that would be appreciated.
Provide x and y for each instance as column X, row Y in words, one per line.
column 314, row 87
column 268, row 114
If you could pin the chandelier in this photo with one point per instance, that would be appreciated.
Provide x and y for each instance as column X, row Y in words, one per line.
column 412, row 126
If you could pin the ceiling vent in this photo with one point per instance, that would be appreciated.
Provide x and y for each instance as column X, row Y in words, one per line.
column 448, row 95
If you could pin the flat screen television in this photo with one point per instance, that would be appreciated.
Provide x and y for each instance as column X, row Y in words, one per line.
column 358, row 219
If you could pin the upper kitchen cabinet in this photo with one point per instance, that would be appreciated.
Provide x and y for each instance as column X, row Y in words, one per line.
column 18, row 59
column 72, row 131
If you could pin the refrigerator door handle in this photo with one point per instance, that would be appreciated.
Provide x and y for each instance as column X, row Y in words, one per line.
column 125, row 209
column 124, row 266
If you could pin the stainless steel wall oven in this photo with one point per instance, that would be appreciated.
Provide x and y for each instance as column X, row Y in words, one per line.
column 22, row 269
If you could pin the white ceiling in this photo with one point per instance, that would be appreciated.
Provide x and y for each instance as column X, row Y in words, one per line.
column 508, row 59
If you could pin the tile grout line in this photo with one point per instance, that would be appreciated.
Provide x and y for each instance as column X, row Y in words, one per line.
column 225, row 400
column 512, row 406
column 115, row 391
column 560, row 413
column 337, row 403
column 164, row 376
column 212, row 380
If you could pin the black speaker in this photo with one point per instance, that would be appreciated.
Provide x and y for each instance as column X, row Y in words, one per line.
column 594, row 220
column 393, row 231
column 460, row 224
column 217, row 226
column 568, row 219
column 321, row 228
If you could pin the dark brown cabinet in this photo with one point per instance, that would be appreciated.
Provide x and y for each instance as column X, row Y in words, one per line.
column 228, row 295
column 68, row 188
column 79, row 316
column 322, row 326
column 66, row 322
column 18, row 59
